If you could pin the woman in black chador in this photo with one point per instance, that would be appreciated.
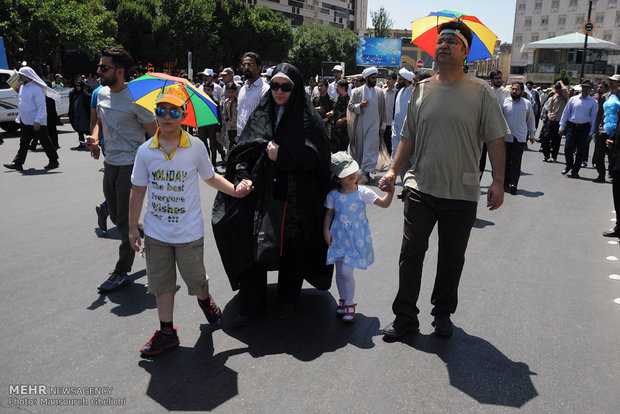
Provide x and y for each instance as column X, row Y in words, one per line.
column 283, row 149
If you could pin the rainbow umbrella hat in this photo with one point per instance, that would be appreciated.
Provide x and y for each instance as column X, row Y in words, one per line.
column 201, row 110
column 424, row 34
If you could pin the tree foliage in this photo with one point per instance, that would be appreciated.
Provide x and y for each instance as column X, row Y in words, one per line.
column 565, row 78
column 318, row 43
column 37, row 29
column 381, row 22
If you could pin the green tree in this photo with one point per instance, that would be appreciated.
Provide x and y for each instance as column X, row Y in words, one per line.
column 564, row 77
column 38, row 29
column 381, row 22
column 318, row 43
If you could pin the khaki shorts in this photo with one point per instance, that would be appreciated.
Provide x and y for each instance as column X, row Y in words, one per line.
column 162, row 260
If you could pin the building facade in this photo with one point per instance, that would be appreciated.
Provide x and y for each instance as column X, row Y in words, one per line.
column 543, row 19
column 341, row 14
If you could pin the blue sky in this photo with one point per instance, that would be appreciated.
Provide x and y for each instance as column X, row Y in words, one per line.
column 497, row 15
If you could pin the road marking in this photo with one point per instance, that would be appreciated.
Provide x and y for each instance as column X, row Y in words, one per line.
column 612, row 242
column 614, row 277
column 617, row 300
column 612, row 258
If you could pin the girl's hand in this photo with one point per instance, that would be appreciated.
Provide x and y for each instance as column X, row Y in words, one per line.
column 272, row 150
column 329, row 239
column 243, row 188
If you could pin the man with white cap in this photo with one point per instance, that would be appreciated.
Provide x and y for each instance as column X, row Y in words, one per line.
column 338, row 72
column 217, row 89
column 405, row 86
column 448, row 118
column 32, row 118
column 367, row 106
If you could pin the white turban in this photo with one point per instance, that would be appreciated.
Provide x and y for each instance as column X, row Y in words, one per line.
column 208, row 72
column 406, row 74
column 369, row 71
column 28, row 72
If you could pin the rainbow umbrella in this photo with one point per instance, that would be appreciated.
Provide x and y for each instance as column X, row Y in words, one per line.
column 424, row 34
column 201, row 110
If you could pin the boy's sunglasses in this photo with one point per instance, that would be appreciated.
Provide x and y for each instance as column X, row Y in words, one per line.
column 286, row 87
column 105, row 68
column 174, row 113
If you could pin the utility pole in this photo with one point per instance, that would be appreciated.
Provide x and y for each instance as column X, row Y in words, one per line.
column 588, row 27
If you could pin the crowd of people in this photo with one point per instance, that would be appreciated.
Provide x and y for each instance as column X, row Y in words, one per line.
column 291, row 197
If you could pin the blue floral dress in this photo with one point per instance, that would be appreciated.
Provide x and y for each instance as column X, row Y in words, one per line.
column 350, row 229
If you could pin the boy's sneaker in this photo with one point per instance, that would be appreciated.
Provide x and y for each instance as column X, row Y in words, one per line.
column 212, row 311
column 102, row 216
column 116, row 280
column 161, row 341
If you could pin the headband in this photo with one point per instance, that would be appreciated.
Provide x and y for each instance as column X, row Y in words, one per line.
column 283, row 75
column 455, row 32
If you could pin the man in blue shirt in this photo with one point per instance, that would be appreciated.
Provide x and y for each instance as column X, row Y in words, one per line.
column 579, row 122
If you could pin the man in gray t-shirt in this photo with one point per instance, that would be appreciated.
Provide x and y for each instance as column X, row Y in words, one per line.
column 448, row 119
column 123, row 125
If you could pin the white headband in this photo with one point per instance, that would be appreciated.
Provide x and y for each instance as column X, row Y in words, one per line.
column 455, row 32
column 283, row 75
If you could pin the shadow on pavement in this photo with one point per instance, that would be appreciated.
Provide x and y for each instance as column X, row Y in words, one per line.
column 42, row 171
column 311, row 331
column 479, row 369
column 132, row 298
column 480, row 223
column 191, row 379
column 531, row 194
column 111, row 233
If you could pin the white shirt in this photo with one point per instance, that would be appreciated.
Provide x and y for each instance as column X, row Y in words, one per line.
column 580, row 110
column 502, row 93
column 249, row 97
column 400, row 110
column 331, row 90
column 31, row 106
column 390, row 95
column 173, row 210
column 520, row 119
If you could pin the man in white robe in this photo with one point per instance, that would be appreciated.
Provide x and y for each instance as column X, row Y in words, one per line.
column 367, row 109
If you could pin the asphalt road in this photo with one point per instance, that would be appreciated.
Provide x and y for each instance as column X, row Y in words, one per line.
column 537, row 326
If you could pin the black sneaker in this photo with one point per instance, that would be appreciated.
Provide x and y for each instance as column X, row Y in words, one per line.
column 443, row 325
column 212, row 312
column 102, row 217
column 116, row 280
column 161, row 341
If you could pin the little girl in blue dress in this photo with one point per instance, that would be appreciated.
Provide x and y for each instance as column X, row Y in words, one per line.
column 346, row 229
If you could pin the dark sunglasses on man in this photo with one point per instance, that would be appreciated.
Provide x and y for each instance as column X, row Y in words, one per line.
column 105, row 68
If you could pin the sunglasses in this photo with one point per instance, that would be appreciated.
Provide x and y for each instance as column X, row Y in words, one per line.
column 286, row 87
column 174, row 113
column 105, row 68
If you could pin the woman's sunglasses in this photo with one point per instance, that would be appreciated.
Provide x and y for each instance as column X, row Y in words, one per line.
column 286, row 87
column 174, row 113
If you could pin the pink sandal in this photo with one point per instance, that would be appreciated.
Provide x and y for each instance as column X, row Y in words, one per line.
column 349, row 313
column 340, row 308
